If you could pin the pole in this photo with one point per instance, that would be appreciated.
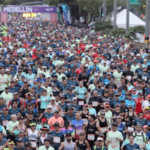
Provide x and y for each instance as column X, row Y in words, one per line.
column 115, row 13
column 127, row 19
column 104, row 3
column 147, row 22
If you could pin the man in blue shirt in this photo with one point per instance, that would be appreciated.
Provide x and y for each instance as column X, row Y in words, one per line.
column 131, row 145
column 58, row 136
column 14, row 109
column 129, row 101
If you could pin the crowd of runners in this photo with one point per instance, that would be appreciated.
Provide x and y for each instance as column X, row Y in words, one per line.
column 65, row 88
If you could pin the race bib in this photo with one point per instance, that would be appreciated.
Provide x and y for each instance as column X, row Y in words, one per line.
column 81, row 102
column 131, row 129
column 56, row 139
column 33, row 144
column 62, row 113
column 128, row 78
column 114, row 144
column 78, row 131
column 103, row 130
column 94, row 104
column 144, row 78
column 4, row 123
column 91, row 137
column 85, row 121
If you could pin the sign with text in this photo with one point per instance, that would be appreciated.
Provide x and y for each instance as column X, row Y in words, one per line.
column 3, row 17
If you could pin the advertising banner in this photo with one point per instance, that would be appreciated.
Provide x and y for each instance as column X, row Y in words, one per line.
column 3, row 17
column 53, row 18
column 28, row 9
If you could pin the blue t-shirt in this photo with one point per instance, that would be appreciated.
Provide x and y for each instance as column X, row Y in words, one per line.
column 147, row 146
column 132, row 147
column 48, row 115
column 81, row 92
column 45, row 100
column 60, row 138
column 130, row 102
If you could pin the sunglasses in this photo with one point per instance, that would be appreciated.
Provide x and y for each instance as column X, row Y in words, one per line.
column 103, row 114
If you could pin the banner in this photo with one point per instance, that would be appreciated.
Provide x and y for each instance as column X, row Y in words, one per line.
column 3, row 17
column 68, row 15
column 28, row 9
column 59, row 15
column 53, row 18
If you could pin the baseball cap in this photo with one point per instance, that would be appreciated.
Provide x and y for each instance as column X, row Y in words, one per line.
column 53, row 98
column 70, row 108
column 118, row 116
column 81, row 133
column 114, row 124
column 74, row 98
column 44, row 119
column 49, row 107
column 19, row 140
column 32, row 124
column 57, row 124
column 11, row 143
column 145, row 126
column 146, row 107
column 68, row 134
column 5, row 108
column 56, row 111
column 99, row 139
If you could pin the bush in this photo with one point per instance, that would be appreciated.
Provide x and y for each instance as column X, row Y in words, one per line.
column 103, row 25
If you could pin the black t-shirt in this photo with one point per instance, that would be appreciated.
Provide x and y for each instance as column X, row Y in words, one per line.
column 113, row 85
column 124, row 110
column 128, row 73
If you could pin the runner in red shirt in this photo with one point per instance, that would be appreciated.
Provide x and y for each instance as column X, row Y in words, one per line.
column 139, row 102
column 146, row 113
column 78, row 71
column 82, row 46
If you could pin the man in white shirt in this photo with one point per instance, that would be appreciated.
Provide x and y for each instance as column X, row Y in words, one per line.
column 146, row 102
column 46, row 145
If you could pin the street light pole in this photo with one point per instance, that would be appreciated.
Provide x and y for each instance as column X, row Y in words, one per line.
column 127, row 19
column 147, row 22
column 104, row 3
column 115, row 13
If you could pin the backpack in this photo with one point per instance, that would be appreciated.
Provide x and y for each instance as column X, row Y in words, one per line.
column 144, row 140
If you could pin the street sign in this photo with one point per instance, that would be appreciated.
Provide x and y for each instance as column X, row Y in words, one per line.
column 135, row 2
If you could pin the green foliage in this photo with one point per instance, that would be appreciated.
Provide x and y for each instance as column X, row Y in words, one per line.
column 103, row 25
column 118, row 32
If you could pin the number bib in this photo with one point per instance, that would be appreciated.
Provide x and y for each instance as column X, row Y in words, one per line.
column 91, row 137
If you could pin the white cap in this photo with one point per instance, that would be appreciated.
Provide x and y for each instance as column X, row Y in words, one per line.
column 145, row 59
column 48, row 76
column 74, row 98
column 49, row 106
column 99, row 139
column 53, row 98
column 7, row 69
column 86, row 56
column 44, row 67
column 138, row 55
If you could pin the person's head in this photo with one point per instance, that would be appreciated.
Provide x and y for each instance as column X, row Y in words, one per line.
column 74, row 100
column 141, row 115
column 114, row 126
column 44, row 92
column 46, row 142
column 81, row 135
column 6, row 90
column 44, row 130
column 13, row 118
column 49, row 109
column 57, row 125
column 129, row 96
column 146, row 110
column 56, row 113
column 33, row 126
column 68, row 137
column 131, row 138
column 117, row 106
column 145, row 128
column 43, row 121
column 102, row 114
column 92, row 117
column 85, row 107
column 78, row 116
column 81, row 84
column 53, row 99
column 19, row 143
column 119, row 119
column 66, row 124
column 130, row 108
column 123, row 103
column 99, row 141
column 94, row 93
column 11, row 145
column 138, row 128
column 21, row 119
column 116, row 96
column 5, row 110
column 14, row 104
column 70, row 110
column 106, row 107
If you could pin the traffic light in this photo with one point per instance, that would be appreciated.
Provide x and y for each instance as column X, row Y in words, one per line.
column 144, row 5
column 102, row 12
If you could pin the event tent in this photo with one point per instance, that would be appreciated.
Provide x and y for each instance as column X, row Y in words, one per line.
column 133, row 19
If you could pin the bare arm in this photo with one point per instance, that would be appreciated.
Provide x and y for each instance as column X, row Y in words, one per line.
column 61, row 146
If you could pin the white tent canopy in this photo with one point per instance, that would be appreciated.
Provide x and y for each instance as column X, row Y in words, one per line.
column 133, row 19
